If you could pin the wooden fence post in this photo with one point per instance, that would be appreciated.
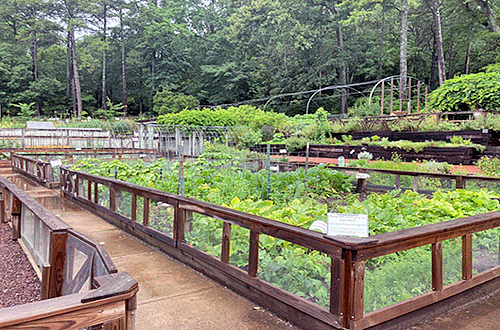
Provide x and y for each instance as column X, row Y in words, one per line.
column 130, row 313
column 437, row 266
column 2, row 206
column 467, row 257
column 57, row 259
column 112, row 199
column 15, row 211
column 226, row 242
column 145, row 216
column 337, row 287
column 253, row 254
column 179, row 219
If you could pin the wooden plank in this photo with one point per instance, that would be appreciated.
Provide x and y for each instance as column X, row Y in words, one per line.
column 89, row 190
column 253, row 253
column 358, row 290
column 467, row 257
column 415, row 183
column 96, row 193
column 57, row 258
column 348, row 290
column 337, row 286
column 112, row 199
column 145, row 216
column 134, row 207
column 437, row 266
column 226, row 242
column 110, row 286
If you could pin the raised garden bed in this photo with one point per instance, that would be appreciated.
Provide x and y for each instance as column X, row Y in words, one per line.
column 452, row 155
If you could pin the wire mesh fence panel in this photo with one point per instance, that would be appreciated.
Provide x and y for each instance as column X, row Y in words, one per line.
column 204, row 233
column 124, row 203
column 103, row 195
column 452, row 261
column 295, row 269
column 161, row 217
column 485, row 251
column 396, row 277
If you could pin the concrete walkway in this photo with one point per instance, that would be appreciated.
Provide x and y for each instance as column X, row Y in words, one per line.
column 171, row 295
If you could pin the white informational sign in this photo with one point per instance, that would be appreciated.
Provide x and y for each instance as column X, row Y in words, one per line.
column 351, row 225
column 341, row 161
column 55, row 163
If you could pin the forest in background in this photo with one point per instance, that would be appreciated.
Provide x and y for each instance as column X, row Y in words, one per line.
column 95, row 57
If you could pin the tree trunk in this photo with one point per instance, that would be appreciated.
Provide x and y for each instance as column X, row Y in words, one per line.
column 76, row 79
column 382, row 36
column 342, row 72
column 467, row 58
column 492, row 22
column 153, row 71
column 403, row 51
column 439, row 41
column 34, row 51
column 104, row 39
column 69, row 69
column 124, row 68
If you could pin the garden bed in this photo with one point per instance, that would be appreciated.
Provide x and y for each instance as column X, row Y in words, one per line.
column 483, row 137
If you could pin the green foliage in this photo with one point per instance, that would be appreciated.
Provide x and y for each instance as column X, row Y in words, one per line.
column 166, row 101
column 112, row 110
column 295, row 143
column 361, row 107
column 489, row 166
column 26, row 111
column 244, row 115
column 468, row 93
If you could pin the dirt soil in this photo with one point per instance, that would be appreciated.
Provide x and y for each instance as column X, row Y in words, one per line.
column 19, row 283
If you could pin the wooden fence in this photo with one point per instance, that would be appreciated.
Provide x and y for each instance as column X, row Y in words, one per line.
column 456, row 181
column 34, row 169
column 41, row 171
column 80, row 283
column 347, row 255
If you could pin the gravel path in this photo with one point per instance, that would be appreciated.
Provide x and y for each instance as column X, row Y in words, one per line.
column 18, row 281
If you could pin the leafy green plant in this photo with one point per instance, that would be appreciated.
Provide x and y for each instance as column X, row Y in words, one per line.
column 489, row 166
column 468, row 92
column 295, row 143
column 26, row 110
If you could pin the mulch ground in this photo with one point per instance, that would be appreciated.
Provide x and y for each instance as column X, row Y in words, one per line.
column 19, row 283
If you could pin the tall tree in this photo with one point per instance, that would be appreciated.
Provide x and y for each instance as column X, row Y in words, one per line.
column 439, row 41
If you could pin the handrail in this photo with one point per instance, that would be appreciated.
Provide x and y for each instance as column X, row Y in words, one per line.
column 348, row 255
column 110, row 298
column 114, row 299
column 35, row 169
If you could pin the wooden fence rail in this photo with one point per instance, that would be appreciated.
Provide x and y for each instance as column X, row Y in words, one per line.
column 347, row 255
column 35, row 169
column 75, row 293
column 457, row 181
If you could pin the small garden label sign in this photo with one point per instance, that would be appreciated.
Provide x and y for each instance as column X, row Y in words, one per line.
column 351, row 225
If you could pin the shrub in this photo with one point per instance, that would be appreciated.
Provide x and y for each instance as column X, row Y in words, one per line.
column 468, row 92
column 489, row 166
column 166, row 101
column 295, row 143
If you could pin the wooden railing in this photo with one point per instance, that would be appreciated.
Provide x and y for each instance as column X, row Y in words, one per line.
column 457, row 181
column 41, row 171
column 80, row 283
column 347, row 255
column 35, row 169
